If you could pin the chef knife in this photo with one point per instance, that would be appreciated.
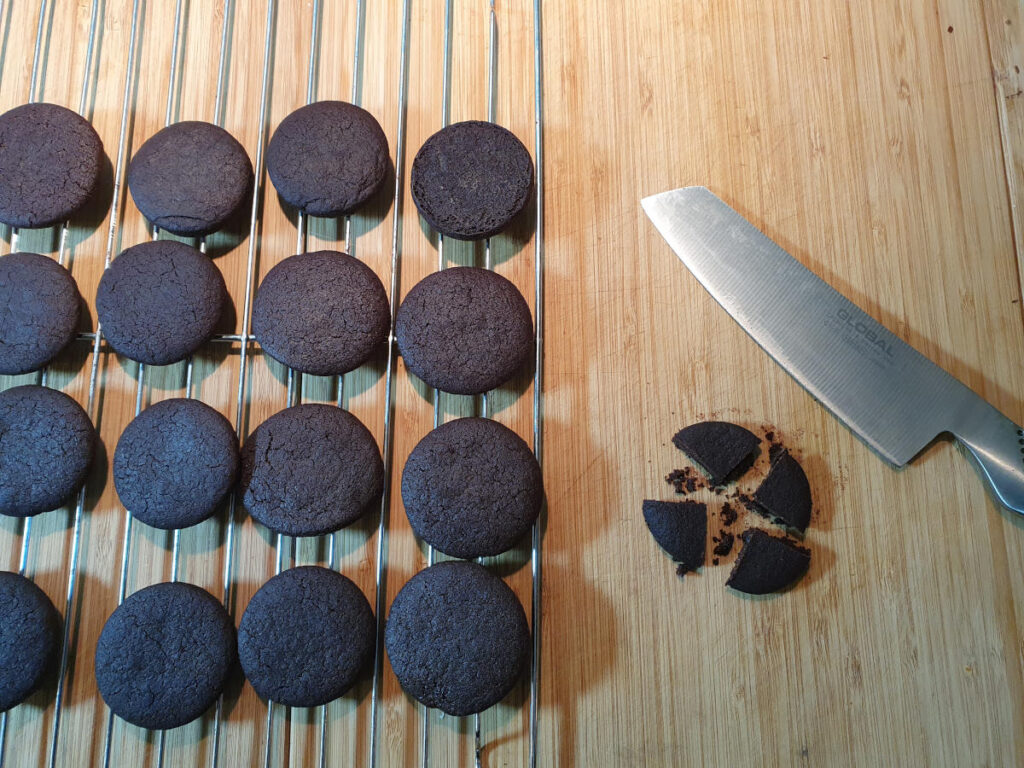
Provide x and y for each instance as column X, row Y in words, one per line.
column 886, row 391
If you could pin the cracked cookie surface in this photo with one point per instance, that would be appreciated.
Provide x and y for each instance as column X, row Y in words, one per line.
column 159, row 301
column 190, row 177
column 175, row 463
column 310, row 470
column 39, row 311
column 464, row 330
column 50, row 159
column 472, row 487
column 29, row 638
column 306, row 636
column 328, row 158
column 164, row 655
column 323, row 312
column 457, row 637
column 46, row 446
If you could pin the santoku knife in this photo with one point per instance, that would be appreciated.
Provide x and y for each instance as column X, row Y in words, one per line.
column 886, row 391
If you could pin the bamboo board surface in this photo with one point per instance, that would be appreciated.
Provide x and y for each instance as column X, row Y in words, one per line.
column 881, row 143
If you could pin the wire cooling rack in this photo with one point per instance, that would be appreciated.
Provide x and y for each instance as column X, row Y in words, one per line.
column 55, row 743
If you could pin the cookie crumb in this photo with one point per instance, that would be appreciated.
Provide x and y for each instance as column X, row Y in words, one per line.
column 724, row 545
column 728, row 515
column 684, row 480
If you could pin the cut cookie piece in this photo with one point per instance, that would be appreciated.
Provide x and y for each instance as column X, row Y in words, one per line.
column 29, row 638
column 175, row 463
column 50, row 159
column 721, row 449
column 305, row 637
column 310, row 470
column 680, row 528
column 324, row 313
column 767, row 563
column 471, row 179
column 46, row 446
column 328, row 158
column 39, row 309
column 471, row 488
column 785, row 495
column 160, row 301
column 190, row 177
column 164, row 655
column 457, row 637
column 464, row 330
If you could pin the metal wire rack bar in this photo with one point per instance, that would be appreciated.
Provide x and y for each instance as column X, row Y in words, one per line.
column 380, row 575
column 229, row 531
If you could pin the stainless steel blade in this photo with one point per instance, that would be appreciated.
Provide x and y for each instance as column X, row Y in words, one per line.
column 886, row 391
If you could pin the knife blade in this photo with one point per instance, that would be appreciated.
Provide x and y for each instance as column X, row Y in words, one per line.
column 887, row 392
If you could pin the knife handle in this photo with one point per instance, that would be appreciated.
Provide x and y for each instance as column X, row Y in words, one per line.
column 998, row 446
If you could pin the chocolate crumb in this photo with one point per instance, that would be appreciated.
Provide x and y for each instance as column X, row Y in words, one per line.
column 724, row 546
column 769, row 436
column 684, row 480
column 714, row 561
column 729, row 515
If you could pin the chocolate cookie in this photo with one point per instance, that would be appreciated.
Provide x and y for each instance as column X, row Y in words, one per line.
column 464, row 330
column 46, row 446
column 190, row 177
column 164, row 655
column 29, row 638
column 159, row 301
column 721, row 449
column 39, row 309
column 328, row 158
column 471, row 488
column 175, row 463
column 50, row 161
column 310, row 470
column 323, row 313
column 767, row 563
column 457, row 638
column 305, row 637
column 680, row 528
column 785, row 495
column 471, row 179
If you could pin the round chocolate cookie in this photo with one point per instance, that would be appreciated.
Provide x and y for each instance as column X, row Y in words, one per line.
column 464, row 330
column 46, row 446
column 159, row 301
column 29, row 638
column 305, row 637
column 323, row 313
column 39, row 309
column 328, row 158
column 309, row 470
column 50, row 161
column 164, row 655
column 457, row 638
column 175, row 463
column 471, row 488
column 190, row 177
column 471, row 179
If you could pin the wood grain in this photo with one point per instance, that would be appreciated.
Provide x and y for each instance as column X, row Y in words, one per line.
column 880, row 142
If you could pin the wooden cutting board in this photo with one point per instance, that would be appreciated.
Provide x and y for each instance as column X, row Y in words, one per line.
column 881, row 143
